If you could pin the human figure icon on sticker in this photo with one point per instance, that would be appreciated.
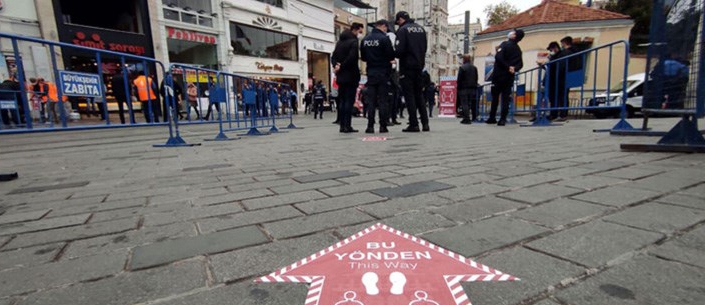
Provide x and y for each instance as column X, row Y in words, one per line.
column 422, row 299
column 349, row 299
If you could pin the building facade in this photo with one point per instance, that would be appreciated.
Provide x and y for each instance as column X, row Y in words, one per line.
column 19, row 17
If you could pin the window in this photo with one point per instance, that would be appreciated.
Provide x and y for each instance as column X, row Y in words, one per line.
column 197, row 6
column 251, row 41
column 189, row 11
column 112, row 15
column 277, row 3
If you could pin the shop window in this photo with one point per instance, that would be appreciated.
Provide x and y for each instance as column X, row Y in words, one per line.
column 251, row 41
column 277, row 3
column 124, row 15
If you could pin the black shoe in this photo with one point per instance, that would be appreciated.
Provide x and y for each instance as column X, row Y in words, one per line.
column 561, row 119
column 502, row 123
column 491, row 121
column 426, row 128
column 383, row 129
column 411, row 129
column 396, row 123
column 466, row 122
column 336, row 122
column 370, row 130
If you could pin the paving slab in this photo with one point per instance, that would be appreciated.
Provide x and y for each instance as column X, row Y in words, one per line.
column 28, row 256
column 412, row 189
column 262, row 260
column 630, row 173
column 595, row 244
column 44, row 188
column 145, row 235
column 355, row 188
column 404, row 205
column 590, row 182
column 617, row 196
column 470, row 179
column 684, row 200
column 417, row 222
column 689, row 248
column 658, row 217
column 230, row 221
column 337, row 203
column 475, row 238
column 645, row 280
column 314, row 223
column 97, row 207
column 324, row 176
column 538, row 273
column 540, row 193
column 561, row 212
column 369, row 177
column 477, row 209
column 697, row 191
column 246, row 293
column 278, row 200
column 294, row 187
column 127, row 288
column 403, row 180
column 44, row 224
column 13, row 282
column 177, row 249
column 71, row 233
column 472, row 191
column 527, row 180
column 191, row 213
column 661, row 183
column 9, row 218
column 232, row 197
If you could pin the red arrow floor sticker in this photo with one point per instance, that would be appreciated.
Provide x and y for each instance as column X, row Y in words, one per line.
column 384, row 266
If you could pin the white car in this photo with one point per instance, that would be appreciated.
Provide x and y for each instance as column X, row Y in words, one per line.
column 635, row 98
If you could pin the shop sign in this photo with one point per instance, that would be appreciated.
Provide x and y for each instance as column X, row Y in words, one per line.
column 262, row 66
column 179, row 34
column 192, row 75
column 318, row 46
column 80, row 84
column 93, row 40
column 447, row 101
column 8, row 105
column 381, row 265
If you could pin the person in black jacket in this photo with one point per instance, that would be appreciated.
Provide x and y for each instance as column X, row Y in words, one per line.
column 508, row 61
column 345, row 62
column 121, row 87
column 556, row 79
column 467, row 89
column 173, row 94
column 411, row 48
column 10, row 90
column 319, row 96
column 377, row 51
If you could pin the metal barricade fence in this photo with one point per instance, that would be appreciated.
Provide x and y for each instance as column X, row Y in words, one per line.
column 72, row 82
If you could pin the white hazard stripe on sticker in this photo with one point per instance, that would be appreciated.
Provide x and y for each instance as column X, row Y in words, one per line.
column 314, row 292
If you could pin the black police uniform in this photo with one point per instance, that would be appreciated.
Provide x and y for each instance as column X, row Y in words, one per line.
column 319, row 95
column 411, row 48
column 376, row 49
column 508, row 55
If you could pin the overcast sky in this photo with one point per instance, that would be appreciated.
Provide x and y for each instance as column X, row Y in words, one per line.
column 476, row 8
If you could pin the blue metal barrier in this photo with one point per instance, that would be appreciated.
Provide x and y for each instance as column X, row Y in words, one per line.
column 75, row 85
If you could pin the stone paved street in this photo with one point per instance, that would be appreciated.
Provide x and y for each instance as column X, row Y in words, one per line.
column 101, row 217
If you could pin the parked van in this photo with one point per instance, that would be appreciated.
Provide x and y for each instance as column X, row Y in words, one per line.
column 635, row 98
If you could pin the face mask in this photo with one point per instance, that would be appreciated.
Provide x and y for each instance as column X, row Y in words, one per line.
column 551, row 53
column 360, row 36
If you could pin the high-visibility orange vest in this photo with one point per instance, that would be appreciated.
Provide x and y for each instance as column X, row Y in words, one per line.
column 54, row 93
column 144, row 88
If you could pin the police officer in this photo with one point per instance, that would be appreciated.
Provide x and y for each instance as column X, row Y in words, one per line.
column 376, row 49
column 319, row 96
column 411, row 48
column 508, row 62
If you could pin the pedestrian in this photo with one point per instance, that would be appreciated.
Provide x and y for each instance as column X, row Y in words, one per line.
column 10, row 90
column 573, row 64
column 273, row 100
column 57, row 109
column 345, row 62
column 394, row 101
column 145, row 88
column 364, row 101
column 508, row 61
column 555, row 74
column 294, row 100
column 376, row 49
column 319, row 96
column 308, row 100
column 411, row 48
column 192, row 92
column 467, row 90
column 214, row 97
column 430, row 93
column 172, row 98
column 262, row 99
column 121, row 87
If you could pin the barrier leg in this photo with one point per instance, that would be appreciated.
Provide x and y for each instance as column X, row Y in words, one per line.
column 221, row 135
column 291, row 119
column 253, row 128
column 684, row 137
column 175, row 139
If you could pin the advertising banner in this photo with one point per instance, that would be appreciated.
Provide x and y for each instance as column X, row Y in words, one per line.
column 448, row 99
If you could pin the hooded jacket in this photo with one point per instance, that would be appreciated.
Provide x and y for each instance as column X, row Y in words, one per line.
column 411, row 46
column 346, row 54
column 508, row 55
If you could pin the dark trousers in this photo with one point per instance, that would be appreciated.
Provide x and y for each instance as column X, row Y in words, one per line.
column 156, row 110
column 430, row 106
column 317, row 108
column 337, row 106
column 346, row 95
column 468, row 102
column 121, row 112
column 413, row 94
column 378, row 96
column 503, row 90
column 557, row 96
column 210, row 108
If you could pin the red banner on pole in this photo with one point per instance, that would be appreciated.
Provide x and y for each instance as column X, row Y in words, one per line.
column 448, row 96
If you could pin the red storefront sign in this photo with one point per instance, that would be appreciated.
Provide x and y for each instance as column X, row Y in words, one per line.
column 180, row 34
column 93, row 40
column 384, row 266
column 448, row 98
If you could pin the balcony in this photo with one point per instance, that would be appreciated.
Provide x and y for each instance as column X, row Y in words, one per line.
column 187, row 15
